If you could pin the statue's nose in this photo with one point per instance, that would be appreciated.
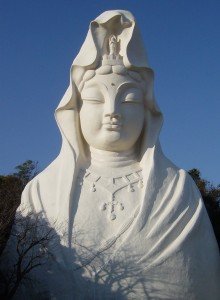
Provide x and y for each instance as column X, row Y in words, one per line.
column 111, row 109
column 113, row 116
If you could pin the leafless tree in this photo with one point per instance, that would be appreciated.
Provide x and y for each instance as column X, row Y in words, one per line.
column 11, row 187
column 27, row 249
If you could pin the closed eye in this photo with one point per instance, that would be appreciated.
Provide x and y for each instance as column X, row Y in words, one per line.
column 93, row 100
column 132, row 100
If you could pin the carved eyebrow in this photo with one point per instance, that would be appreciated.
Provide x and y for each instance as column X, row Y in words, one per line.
column 127, row 84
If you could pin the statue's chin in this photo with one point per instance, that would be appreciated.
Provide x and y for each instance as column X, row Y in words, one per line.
column 112, row 141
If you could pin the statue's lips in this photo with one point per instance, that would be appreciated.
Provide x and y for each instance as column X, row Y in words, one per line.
column 112, row 126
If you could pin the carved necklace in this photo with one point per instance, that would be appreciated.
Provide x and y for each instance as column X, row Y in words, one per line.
column 111, row 185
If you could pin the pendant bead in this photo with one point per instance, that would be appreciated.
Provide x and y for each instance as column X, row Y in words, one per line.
column 140, row 184
column 130, row 188
column 113, row 216
column 104, row 206
column 93, row 188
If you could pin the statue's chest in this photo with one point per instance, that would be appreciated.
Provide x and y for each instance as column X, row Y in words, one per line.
column 102, row 205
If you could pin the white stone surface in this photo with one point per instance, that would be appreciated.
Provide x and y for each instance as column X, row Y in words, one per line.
column 134, row 223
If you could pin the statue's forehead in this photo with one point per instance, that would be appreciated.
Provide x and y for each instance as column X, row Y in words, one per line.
column 111, row 81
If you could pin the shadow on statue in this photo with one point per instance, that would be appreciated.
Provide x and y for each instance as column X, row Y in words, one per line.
column 29, row 268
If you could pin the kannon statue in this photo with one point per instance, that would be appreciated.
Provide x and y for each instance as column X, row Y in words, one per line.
column 132, row 225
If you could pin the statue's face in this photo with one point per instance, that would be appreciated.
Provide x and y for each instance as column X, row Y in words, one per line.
column 112, row 112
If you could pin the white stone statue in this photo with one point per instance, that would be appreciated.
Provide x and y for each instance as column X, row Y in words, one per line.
column 133, row 224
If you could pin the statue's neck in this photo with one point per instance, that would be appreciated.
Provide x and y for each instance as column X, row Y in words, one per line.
column 107, row 159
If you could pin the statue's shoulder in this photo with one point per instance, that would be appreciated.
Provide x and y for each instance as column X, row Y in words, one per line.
column 188, row 189
column 41, row 187
column 180, row 179
column 187, row 178
column 184, row 178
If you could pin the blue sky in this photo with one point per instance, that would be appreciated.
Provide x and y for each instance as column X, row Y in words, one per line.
column 39, row 40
